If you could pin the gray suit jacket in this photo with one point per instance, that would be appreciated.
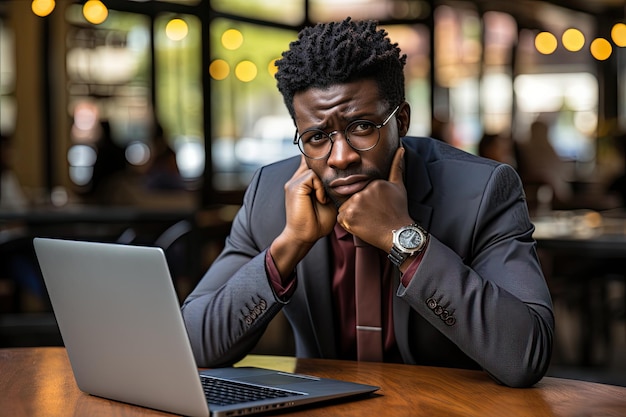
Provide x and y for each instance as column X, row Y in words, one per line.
column 477, row 300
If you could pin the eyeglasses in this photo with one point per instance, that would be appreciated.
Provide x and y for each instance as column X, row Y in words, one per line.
column 361, row 135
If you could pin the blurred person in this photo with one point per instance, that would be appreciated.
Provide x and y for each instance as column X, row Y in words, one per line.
column 12, row 195
column 617, row 185
column 110, row 169
column 162, row 172
column 17, row 259
column 539, row 164
column 460, row 282
column 497, row 147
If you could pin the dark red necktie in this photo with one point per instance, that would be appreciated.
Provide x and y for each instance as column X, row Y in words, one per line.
column 368, row 312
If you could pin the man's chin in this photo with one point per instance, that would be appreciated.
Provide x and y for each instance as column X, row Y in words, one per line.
column 336, row 200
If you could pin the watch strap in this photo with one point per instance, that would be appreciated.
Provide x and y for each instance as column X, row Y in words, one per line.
column 396, row 256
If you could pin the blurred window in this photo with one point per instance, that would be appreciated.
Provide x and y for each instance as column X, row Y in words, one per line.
column 108, row 69
column 282, row 11
column 458, row 54
column 7, row 79
column 251, row 125
column 178, row 79
column 328, row 10
column 499, row 39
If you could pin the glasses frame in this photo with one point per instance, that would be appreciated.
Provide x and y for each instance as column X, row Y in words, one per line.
column 297, row 141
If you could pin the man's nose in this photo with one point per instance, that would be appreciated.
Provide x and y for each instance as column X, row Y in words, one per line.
column 341, row 154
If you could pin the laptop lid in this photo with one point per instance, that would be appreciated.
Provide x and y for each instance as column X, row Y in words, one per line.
column 120, row 320
column 121, row 324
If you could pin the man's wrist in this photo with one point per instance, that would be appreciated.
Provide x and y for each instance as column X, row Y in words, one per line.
column 408, row 241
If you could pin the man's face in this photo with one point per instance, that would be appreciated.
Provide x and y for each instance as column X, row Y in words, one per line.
column 346, row 171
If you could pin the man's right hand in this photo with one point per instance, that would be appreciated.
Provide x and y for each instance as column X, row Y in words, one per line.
column 310, row 216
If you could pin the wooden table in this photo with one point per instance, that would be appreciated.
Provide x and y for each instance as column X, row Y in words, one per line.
column 39, row 382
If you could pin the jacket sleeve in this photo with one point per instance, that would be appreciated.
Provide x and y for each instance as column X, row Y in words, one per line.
column 494, row 304
column 228, row 311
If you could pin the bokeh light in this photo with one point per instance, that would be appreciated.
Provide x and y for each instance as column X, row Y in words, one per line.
column 95, row 12
column 219, row 69
column 232, row 39
column 618, row 34
column 546, row 43
column 272, row 68
column 601, row 49
column 176, row 29
column 246, row 71
column 42, row 8
column 573, row 40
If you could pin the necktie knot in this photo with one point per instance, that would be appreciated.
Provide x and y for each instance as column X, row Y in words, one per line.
column 360, row 243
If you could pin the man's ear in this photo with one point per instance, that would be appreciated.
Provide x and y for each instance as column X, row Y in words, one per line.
column 404, row 119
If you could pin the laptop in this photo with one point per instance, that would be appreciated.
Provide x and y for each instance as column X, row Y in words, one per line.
column 120, row 320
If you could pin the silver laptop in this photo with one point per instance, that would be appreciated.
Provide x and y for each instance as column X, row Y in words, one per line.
column 121, row 324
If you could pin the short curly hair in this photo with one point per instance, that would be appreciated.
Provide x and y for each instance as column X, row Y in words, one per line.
column 339, row 52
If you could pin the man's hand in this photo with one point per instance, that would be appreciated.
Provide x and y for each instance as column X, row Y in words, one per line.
column 379, row 208
column 310, row 216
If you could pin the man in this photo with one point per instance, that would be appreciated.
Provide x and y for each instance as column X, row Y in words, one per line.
column 461, row 283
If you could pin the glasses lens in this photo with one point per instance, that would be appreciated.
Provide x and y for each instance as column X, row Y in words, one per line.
column 363, row 135
column 315, row 143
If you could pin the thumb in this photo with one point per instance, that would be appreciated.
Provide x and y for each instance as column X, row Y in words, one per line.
column 397, row 167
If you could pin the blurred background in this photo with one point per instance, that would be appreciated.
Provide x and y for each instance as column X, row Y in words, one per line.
column 142, row 121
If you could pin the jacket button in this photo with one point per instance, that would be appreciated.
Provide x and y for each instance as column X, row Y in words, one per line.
column 450, row 321
column 438, row 310
column 431, row 303
column 444, row 315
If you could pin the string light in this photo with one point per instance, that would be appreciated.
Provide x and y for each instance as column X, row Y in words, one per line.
column 618, row 34
column 545, row 42
column 573, row 40
column 176, row 29
column 95, row 12
column 219, row 69
column 42, row 8
column 272, row 68
column 232, row 39
column 601, row 49
column 246, row 71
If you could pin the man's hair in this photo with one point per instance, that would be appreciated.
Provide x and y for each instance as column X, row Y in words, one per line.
column 341, row 52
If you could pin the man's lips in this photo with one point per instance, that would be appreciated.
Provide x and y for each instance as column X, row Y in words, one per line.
column 349, row 185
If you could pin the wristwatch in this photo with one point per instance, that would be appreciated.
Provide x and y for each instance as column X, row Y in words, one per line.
column 407, row 241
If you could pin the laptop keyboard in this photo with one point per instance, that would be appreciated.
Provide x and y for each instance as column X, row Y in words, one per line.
column 223, row 392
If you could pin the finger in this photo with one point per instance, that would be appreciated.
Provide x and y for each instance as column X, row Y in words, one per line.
column 318, row 188
column 396, row 174
column 313, row 180
column 303, row 165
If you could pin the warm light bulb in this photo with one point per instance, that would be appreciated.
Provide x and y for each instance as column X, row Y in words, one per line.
column 601, row 49
column 42, row 8
column 246, row 71
column 272, row 68
column 232, row 39
column 219, row 69
column 618, row 34
column 545, row 42
column 573, row 40
column 177, row 29
column 95, row 12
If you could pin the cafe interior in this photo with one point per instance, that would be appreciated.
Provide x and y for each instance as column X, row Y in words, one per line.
column 142, row 122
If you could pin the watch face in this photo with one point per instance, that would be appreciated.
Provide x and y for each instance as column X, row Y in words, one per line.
column 410, row 238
